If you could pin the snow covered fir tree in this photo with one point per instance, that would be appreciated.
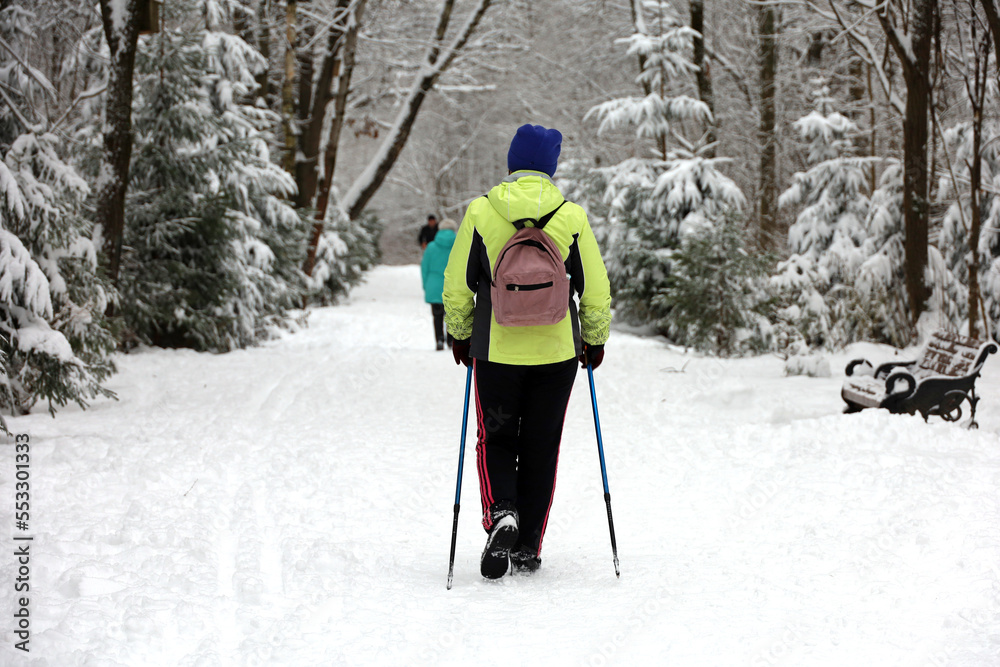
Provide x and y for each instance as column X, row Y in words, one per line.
column 886, row 313
column 816, row 283
column 968, row 266
column 55, row 343
column 210, row 260
column 716, row 295
column 650, row 203
column 345, row 251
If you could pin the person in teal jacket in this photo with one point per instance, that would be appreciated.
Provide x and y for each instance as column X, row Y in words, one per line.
column 432, row 268
column 523, row 374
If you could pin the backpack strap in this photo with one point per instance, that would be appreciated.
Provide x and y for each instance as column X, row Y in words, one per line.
column 541, row 222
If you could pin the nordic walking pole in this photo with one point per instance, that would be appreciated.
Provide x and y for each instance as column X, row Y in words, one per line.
column 604, row 470
column 458, row 485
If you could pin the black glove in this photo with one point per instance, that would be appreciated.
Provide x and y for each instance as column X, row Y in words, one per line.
column 593, row 355
column 460, row 348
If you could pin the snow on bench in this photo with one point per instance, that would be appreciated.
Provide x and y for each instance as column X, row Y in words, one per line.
column 935, row 384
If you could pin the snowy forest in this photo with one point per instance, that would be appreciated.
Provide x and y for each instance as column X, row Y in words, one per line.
column 764, row 177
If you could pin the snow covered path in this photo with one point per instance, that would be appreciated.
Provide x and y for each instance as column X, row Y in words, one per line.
column 292, row 505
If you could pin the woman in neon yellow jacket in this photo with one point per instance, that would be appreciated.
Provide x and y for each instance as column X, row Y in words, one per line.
column 524, row 374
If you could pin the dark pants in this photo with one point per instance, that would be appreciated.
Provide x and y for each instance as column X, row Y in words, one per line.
column 437, row 310
column 520, row 412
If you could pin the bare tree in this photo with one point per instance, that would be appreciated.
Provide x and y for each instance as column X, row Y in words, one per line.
column 440, row 56
column 337, row 67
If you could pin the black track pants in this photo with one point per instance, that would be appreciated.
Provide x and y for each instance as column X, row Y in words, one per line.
column 437, row 310
column 520, row 412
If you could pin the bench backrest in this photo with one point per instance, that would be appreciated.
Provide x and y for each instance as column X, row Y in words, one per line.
column 950, row 355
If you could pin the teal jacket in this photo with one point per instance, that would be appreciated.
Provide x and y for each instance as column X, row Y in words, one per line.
column 433, row 264
column 483, row 233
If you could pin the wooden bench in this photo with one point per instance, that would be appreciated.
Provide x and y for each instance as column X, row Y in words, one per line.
column 935, row 384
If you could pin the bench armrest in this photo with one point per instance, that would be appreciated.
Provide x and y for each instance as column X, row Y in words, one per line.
column 856, row 364
column 895, row 396
column 885, row 369
column 988, row 349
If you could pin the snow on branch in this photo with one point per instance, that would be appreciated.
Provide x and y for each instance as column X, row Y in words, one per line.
column 34, row 73
column 374, row 174
column 652, row 115
column 864, row 49
column 21, row 279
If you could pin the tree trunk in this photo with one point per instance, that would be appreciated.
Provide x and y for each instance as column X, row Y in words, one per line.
column 859, row 90
column 316, row 101
column 976, row 181
column 288, row 88
column 640, row 27
column 343, row 72
column 368, row 183
column 916, row 208
column 243, row 24
column 264, row 47
column 123, row 37
column 915, row 55
column 768, row 233
column 307, row 65
column 977, row 96
column 873, row 130
column 993, row 20
column 704, row 76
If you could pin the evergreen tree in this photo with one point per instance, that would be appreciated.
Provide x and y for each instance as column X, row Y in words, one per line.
column 212, row 247
column 950, row 266
column 884, row 307
column 716, row 294
column 652, row 201
column 816, row 282
column 54, row 341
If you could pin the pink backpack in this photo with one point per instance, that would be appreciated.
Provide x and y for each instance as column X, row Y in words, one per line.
column 530, row 286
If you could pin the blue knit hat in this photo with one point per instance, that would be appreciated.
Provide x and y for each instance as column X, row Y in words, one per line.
column 535, row 148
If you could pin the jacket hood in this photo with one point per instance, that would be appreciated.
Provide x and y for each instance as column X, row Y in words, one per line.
column 444, row 238
column 525, row 194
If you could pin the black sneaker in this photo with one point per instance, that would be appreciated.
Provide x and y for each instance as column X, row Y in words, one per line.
column 440, row 345
column 524, row 560
column 503, row 535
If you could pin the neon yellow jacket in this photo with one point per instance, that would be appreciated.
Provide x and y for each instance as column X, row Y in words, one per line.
column 483, row 233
